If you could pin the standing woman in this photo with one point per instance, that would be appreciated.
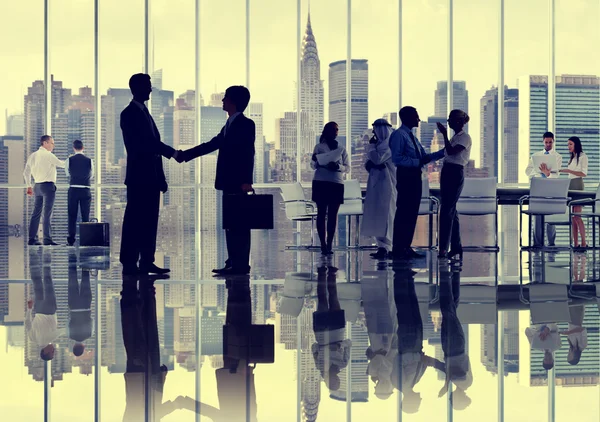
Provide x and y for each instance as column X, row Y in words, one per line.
column 380, row 200
column 577, row 170
column 458, row 151
column 328, row 184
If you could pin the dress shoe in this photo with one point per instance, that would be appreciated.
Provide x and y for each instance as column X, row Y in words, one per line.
column 34, row 243
column 381, row 253
column 414, row 254
column 220, row 270
column 456, row 254
column 70, row 242
column 153, row 269
column 50, row 243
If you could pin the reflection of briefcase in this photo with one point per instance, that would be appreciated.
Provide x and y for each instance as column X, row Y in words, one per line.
column 94, row 234
column 253, row 343
column 94, row 258
column 242, row 211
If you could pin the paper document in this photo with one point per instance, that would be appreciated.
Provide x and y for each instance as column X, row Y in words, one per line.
column 549, row 159
column 325, row 158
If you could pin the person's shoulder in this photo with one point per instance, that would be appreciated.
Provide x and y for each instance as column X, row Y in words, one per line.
column 127, row 111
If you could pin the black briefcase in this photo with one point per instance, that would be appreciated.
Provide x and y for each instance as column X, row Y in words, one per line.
column 94, row 234
column 243, row 211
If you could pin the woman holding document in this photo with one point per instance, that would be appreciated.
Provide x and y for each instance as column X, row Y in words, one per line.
column 330, row 161
column 577, row 170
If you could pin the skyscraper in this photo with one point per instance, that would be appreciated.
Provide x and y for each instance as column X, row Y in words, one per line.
column 15, row 125
column 122, row 98
column 311, row 91
column 359, row 81
column 286, row 134
column 577, row 113
column 460, row 99
column 255, row 112
column 427, row 130
column 489, row 134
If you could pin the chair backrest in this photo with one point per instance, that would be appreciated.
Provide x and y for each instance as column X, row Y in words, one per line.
column 478, row 197
column 598, row 191
column 353, row 203
column 294, row 200
column 549, row 303
column 425, row 201
column 548, row 196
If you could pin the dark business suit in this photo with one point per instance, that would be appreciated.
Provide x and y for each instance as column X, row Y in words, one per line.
column 145, row 180
column 235, row 167
column 80, row 303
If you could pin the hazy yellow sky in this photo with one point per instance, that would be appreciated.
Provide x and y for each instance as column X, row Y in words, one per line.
column 273, row 46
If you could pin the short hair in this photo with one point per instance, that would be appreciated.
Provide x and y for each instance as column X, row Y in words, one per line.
column 45, row 138
column 77, row 145
column 239, row 95
column 462, row 117
column 548, row 135
column 45, row 356
column 78, row 349
column 138, row 81
column 406, row 111
column 548, row 366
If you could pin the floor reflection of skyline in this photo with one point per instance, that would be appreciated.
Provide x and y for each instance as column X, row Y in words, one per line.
column 362, row 285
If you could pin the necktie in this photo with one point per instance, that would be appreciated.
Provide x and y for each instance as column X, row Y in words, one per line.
column 414, row 141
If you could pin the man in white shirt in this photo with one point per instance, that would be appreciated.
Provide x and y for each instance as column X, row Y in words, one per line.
column 531, row 172
column 42, row 328
column 42, row 166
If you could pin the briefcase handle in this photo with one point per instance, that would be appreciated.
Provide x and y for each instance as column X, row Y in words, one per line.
column 93, row 220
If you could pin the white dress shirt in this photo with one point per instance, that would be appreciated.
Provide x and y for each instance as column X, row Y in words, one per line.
column 69, row 175
column 42, row 166
column 550, row 343
column 535, row 172
column 42, row 328
column 578, row 165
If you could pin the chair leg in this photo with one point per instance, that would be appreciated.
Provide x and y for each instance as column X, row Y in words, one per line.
column 312, row 232
column 543, row 232
column 520, row 229
column 430, row 231
column 357, row 234
column 349, row 220
column 496, row 231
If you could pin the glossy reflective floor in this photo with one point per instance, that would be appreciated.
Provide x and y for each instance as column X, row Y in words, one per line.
column 327, row 340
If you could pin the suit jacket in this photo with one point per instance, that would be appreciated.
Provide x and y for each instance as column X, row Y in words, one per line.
column 144, row 149
column 235, row 164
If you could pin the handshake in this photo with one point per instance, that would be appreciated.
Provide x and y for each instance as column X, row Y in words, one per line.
column 179, row 156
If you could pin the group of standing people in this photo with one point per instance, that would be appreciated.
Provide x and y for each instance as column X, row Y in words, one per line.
column 396, row 162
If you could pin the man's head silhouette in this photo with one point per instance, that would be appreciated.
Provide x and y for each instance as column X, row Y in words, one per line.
column 140, row 87
column 236, row 99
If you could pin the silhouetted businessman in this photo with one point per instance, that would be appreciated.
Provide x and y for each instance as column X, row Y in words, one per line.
column 145, row 180
column 235, row 168
column 80, row 306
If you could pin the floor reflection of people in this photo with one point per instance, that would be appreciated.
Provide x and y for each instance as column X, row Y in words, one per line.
column 331, row 352
column 235, row 381
column 456, row 357
column 140, row 337
column 80, row 306
column 576, row 334
column 380, row 316
column 411, row 362
column 544, row 337
column 41, row 323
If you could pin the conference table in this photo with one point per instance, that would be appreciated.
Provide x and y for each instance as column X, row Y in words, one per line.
column 510, row 194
